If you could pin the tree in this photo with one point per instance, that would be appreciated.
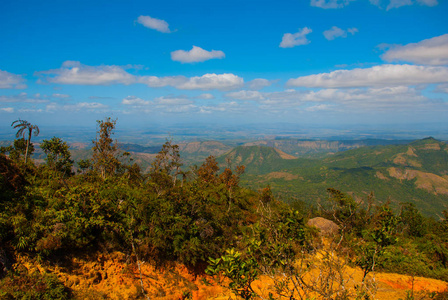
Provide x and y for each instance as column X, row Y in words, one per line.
column 58, row 155
column 84, row 164
column 23, row 128
column 17, row 150
column 166, row 167
column 105, row 149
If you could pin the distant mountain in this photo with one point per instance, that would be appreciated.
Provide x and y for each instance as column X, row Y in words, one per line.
column 256, row 159
column 197, row 152
column 318, row 148
column 139, row 148
column 416, row 172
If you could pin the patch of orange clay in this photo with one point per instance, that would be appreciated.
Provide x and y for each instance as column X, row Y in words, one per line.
column 112, row 276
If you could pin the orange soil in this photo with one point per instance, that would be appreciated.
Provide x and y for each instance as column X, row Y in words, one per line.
column 111, row 275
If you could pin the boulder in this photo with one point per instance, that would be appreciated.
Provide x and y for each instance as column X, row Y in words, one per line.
column 326, row 227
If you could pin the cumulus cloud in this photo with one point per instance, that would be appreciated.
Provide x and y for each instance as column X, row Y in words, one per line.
column 153, row 23
column 172, row 101
column 428, row 2
column 391, row 99
column 206, row 96
column 290, row 40
column 60, row 96
column 154, row 81
column 80, row 106
column 7, row 109
column 398, row 3
column 319, row 107
column 11, row 81
column 226, row 81
column 135, row 101
column 23, row 98
column 196, row 54
column 383, row 75
column 390, row 4
column 442, row 88
column 258, row 84
column 432, row 51
column 225, row 107
column 336, row 32
column 375, row 99
column 330, row 4
column 73, row 72
column 246, row 95
column 173, row 104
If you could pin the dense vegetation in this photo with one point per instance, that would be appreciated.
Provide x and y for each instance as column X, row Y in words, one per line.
column 415, row 172
column 202, row 218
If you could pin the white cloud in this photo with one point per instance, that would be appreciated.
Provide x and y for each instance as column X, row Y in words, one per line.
column 226, row 81
column 135, row 101
column 22, row 98
column 336, row 32
column 393, row 99
column 206, row 96
column 227, row 107
column 383, row 75
column 30, row 110
column 353, row 30
column 246, row 95
column 428, row 2
column 153, row 23
column 172, row 104
column 89, row 105
column 75, row 73
column 258, row 84
column 7, row 109
column 60, row 96
column 442, row 88
column 330, row 4
column 11, row 81
column 196, row 54
column 154, row 81
column 172, row 101
column 290, row 40
column 400, row 3
column 432, row 51
column 319, row 107
column 378, row 99
column 81, row 106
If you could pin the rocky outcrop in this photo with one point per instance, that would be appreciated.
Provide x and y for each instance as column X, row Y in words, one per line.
column 326, row 227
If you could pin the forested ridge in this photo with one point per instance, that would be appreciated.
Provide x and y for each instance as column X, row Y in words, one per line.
column 201, row 217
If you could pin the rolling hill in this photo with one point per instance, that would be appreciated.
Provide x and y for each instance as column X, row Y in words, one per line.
column 416, row 172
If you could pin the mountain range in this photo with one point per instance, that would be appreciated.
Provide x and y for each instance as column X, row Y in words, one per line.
column 415, row 172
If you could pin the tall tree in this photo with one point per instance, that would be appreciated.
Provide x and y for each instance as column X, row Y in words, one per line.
column 105, row 149
column 25, row 127
column 58, row 155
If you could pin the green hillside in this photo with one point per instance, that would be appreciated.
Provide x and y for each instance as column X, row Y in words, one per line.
column 259, row 159
column 416, row 172
column 320, row 148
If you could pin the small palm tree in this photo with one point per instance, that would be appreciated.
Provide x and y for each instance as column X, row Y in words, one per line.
column 24, row 127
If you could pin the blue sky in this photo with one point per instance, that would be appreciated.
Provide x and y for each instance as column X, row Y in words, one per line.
column 306, row 62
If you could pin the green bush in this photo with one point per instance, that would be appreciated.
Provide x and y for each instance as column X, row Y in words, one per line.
column 21, row 285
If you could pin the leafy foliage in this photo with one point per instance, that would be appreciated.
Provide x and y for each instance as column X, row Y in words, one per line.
column 58, row 155
column 19, row 284
column 23, row 127
column 105, row 150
